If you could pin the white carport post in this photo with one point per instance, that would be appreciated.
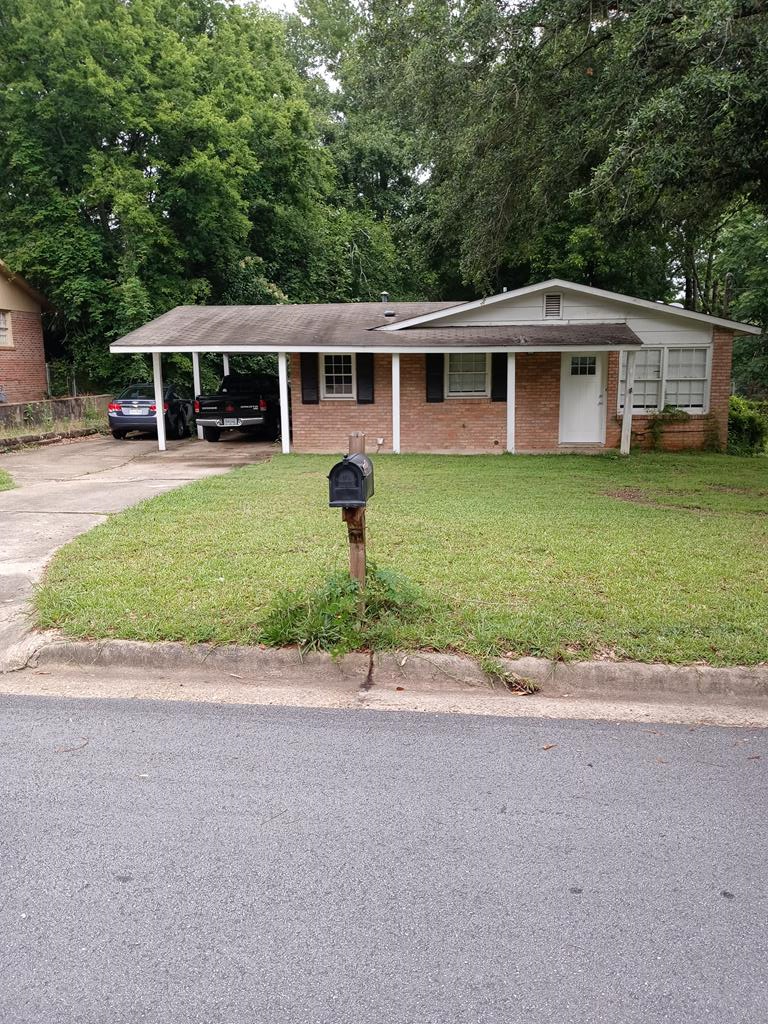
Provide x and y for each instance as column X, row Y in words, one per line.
column 511, row 402
column 197, row 385
column 285, row 418
column 626, row 420
column 157, row 379
column 396, row 402
column 225, row 361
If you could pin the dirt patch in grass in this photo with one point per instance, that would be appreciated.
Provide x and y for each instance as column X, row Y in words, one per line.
column 638, row 498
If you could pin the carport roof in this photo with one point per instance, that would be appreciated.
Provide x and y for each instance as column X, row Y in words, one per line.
column 350, row 326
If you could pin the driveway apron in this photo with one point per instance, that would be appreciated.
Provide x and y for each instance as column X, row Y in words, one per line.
column 65, row 489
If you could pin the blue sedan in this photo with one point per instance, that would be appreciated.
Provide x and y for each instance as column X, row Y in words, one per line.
column 135, row 409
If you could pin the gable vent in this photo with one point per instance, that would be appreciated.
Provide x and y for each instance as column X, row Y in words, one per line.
column 552, row 305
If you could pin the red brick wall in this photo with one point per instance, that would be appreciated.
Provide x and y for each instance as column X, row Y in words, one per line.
column 326, row 427
column 22, row 368
column 453, row 425
column 696, row 432
column 537, row 410
column 478, row 424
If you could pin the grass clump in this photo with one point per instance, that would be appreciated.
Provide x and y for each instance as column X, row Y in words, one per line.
column 328, row 618
column 6, row 483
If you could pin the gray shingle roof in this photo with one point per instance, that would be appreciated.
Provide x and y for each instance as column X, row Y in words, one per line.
column 347, row 326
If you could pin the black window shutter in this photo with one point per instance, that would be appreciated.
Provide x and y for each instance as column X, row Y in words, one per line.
column 499, row 377
column 435, row 369
column 364, row 378
column 310, row 381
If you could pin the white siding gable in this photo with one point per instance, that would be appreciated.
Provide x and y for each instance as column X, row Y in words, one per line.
column 652, row 328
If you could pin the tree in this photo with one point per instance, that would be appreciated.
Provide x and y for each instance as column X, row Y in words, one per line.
column 163, row 152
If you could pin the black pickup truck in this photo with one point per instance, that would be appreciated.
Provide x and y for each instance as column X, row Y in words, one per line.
column 250, row 403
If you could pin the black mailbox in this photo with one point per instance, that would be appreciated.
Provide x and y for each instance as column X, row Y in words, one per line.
column 350, row 482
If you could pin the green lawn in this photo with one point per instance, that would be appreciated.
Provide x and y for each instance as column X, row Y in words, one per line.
column 652, row 557
column 5, row 481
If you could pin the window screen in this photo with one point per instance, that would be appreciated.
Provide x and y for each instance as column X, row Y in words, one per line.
column 647, row 390
column 686, row 378
column 5, row 334
column 468, row 374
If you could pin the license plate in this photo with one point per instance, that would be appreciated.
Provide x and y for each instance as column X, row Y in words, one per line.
column 229, row 422
column 136, row 412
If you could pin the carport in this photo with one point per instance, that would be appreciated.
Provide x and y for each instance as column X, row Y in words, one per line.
column 270, row 330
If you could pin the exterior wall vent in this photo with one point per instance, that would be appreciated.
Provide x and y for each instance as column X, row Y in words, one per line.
column 553, row 306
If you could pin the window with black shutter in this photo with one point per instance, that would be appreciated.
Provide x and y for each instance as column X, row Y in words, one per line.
column 310, row 379
column 435, row 370
column 365, row 378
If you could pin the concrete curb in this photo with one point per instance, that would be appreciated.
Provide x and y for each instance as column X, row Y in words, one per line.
column 426, row 671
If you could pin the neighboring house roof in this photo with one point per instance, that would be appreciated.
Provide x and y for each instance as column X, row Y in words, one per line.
column 556, row 284
column 350, row 326
column 18, row 280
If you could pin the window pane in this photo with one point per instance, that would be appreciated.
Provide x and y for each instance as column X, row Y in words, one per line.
column 687, row 363
column 3, row 329
column 686, row 394
column 338, row 376
column 467, row 373
column 583, row 366
column 648, row 364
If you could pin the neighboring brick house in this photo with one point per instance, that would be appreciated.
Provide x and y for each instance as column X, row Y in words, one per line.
column 540, row 369
column 22, row 356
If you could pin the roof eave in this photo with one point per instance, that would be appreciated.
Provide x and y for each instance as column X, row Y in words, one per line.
column 415, row 350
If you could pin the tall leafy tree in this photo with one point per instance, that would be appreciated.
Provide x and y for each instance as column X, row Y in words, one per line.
column 162, row 152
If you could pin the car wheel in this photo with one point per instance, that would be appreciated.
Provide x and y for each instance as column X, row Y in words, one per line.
column 211, row 433
column 119, row 435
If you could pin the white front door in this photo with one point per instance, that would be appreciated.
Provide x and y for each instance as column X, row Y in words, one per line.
column 582, row 399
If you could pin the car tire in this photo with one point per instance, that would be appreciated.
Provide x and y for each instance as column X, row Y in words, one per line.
column 119, row 435
column 211, row 433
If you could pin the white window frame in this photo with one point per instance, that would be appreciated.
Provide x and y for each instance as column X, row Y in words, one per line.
column 467, row 394
column 665, row 350
column 338, row 398
column 544, row 306
column 8, row 342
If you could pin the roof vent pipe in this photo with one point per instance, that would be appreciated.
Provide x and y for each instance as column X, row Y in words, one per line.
column 385, row 297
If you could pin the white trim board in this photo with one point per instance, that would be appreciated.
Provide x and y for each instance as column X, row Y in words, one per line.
column 233, row 349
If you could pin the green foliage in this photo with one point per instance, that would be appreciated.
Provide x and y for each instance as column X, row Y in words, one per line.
column 163, row 152
column 329, row 618
column 659, row 420
column 747, row 426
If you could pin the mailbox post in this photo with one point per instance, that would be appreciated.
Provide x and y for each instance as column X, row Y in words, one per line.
column 350, row 485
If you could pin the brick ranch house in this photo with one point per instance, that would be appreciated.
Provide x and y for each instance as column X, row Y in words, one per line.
column 543, row 368
column 22, row 356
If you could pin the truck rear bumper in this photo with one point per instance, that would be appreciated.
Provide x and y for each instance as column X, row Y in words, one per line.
column 230, row 422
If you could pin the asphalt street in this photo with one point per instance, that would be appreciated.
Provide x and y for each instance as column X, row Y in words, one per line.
column 169, row 862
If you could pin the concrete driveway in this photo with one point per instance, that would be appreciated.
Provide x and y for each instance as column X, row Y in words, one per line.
column 65, row 489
